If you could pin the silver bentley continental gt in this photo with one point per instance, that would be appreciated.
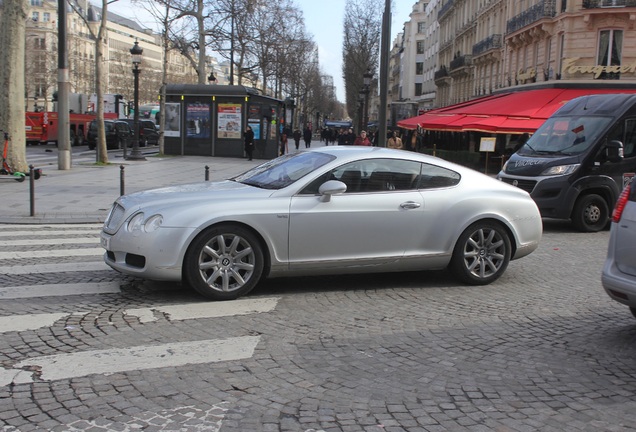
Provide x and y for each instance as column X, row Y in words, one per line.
column 330, row 210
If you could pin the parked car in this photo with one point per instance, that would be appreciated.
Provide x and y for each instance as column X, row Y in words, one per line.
column 118, row 133
column 330, row 210
column 148, row 134
column 619, row 272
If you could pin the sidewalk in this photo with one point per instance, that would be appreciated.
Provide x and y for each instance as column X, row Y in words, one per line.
column 85, row 193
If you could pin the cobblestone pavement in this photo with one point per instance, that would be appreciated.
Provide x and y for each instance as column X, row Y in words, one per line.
column 542, row 349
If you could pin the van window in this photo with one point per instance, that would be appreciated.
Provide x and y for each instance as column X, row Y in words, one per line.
column 629, row 143
column 566, row 135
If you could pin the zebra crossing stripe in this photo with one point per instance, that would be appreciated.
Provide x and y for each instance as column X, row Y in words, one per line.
column 31, row 321
column 56, row 226
column 73, row 365
column 56, row 290
column 56, row 253
column 55, row 268
column 36, row 233
column 50, row 241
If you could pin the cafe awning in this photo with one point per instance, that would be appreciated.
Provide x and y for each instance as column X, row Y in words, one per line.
column 515, row 112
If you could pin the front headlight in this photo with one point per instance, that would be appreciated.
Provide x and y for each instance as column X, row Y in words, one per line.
column 153, row 223
column 560, row 170
column 135, row 223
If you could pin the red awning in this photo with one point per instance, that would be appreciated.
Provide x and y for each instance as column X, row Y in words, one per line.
column 518, row 112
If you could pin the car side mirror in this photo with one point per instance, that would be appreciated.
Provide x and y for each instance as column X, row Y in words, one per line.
column 331, row 187
column 614, row 151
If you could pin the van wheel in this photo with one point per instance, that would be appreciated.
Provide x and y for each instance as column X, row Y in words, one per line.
column 633, row 311
column 590, row 213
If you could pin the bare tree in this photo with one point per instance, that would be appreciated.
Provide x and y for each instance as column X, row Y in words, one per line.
column 12, row 38
column 361, row 47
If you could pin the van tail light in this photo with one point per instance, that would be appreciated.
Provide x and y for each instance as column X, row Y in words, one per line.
column 621, row 203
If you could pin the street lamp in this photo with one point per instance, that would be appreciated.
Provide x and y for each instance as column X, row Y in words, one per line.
column 211, row 78
column 361, row 95
column 136, row 51
column 367, row 87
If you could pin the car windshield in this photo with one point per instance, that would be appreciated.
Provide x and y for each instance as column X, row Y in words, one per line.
column 565, row 135
column 283, row 171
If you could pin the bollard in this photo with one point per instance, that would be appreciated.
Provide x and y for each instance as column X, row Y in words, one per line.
column 122, row 181
column 32, row 190
column 207, row 173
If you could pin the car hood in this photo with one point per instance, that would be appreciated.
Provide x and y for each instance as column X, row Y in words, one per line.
column 192, row 193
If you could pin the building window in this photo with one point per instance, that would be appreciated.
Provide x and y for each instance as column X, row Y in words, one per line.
column 419, row 68
column 35, row 16
column 610, row 48
column 420, row 47
column 36, row 2
column 418, row 89
column 46, row 17
column 421, row 27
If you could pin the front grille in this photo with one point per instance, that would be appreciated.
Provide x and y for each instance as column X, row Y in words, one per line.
column 526, row 185
column 114, row 218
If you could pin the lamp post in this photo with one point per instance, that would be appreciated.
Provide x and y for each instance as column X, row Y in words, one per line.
column 136, row 51
column 211, row 79
column 360, row 111
column 367, row 88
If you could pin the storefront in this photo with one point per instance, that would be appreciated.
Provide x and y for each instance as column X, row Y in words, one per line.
column 209, row 120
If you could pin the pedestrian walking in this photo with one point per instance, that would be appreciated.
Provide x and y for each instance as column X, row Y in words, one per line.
column 362, row 140
column 395, row 142
column 283, row 144
column 248, row 136
column 297, row 136
column 307, row 137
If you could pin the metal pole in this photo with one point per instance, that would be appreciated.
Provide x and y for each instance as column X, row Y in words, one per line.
column 32, row 190
column 122, row 181
column 135, row 154
column 384, row 73
column 207, row 173
column 63, row 124
column 232, row 46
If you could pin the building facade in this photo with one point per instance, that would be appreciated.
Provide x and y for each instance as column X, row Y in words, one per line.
column 121, row 33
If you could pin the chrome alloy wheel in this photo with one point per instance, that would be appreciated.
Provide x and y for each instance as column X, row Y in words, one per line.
column 226, row 262
column 484, row 253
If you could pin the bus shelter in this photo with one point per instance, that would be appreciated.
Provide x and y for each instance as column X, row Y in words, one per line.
column 209, row 120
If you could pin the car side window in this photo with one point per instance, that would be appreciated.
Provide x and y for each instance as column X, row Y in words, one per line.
column 629, row 144
column 433, row 177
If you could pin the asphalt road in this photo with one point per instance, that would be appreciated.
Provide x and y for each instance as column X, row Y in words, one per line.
column 86, row 349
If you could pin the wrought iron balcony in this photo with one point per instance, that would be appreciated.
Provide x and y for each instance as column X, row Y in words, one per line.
column 543, row 9
column 442, row 72
column 461, row 61
column 491, row 42
column 444, row 10
column 594, row 4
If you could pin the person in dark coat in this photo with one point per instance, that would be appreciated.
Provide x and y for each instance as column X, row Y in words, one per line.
column 249, row 142
column 350, row 137
column 297, row 136
column 307, row 137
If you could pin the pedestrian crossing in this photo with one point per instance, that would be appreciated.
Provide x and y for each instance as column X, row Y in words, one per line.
column 43, row 156
column 72, row 249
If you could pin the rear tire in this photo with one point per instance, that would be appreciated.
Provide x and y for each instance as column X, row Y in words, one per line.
column 482, row 253
column 590, row 213
column 224, row 262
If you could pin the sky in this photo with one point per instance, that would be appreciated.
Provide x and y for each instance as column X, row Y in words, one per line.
column 323, row 19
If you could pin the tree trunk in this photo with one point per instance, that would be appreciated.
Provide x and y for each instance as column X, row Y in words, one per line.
column 12, row 118
column 102, row 150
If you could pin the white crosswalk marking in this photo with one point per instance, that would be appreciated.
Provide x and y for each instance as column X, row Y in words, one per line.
column 77, row 240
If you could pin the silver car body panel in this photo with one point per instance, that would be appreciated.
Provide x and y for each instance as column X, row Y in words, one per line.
column 303, row 234
column 619, row 272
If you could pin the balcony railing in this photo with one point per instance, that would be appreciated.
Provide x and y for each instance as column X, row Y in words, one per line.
column 442, row 72
column 444, row 10
column 461, row 61
column 491, row 42
column 543, row 9
column 593, row 4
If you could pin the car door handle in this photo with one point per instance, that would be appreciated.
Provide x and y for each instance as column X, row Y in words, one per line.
column 410, row 205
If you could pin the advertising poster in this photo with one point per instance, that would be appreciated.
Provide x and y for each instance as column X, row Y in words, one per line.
column 173, row 120
column 198, row 120
column 256, row 128
column 229, row 121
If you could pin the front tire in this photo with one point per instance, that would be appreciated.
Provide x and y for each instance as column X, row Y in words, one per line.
column 590, row 214
column 224, row 262
column 482, row 253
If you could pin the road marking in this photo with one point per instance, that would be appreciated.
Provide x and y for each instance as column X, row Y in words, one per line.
column 205, row 309
column 55, row 290
column 52, row 253
column 74, row 365
column 23, row 226
column 55, row 268
column 50, row 241
column 36, row 233
column 31, row 321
